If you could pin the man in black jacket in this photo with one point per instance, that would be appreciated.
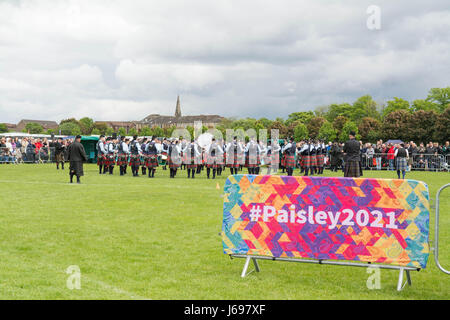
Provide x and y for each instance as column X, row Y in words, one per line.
column 352, row 157
column 76, row 157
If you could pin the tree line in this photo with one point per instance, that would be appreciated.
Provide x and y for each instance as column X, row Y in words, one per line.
column 421, row 120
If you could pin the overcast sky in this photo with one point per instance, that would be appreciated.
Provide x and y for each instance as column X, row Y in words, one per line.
column 123, row 60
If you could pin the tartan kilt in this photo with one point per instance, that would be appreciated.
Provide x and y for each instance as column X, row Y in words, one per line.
column 76, row 168
column 300, row 161
column 274, row 159
column 353, row 169
column 173, row 162
column 313, row 160
column 110, row 160
column 253, row 161
column 193, row 162
column 401, row 164
column 232, row 162
column 135, row 160
column 151, row 161
column 320, row 158
column 212, row 162
column 184, row 157
column 289, row 161
column 59, row 157
column 306, row 161
column 122, row 159
column 101, row 159
column 283, row 160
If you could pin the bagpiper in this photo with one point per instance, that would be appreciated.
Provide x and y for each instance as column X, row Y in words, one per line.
column 151, row 162
column 306, row 158
column 135, row 156
column 289, row 151
column 164, row 153
column 101, row 155
column 111, row 156
column 213, row 158
column 253, row 161
column 232, row 151
column 174, row 158
column 144, row 156
column 122, row 157
column 193, row 158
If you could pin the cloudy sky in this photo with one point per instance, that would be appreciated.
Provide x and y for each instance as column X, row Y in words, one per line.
column 123, row 60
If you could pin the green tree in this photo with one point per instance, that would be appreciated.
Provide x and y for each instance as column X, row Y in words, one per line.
column 302, row 117
column 101, row 127
column 146, row 131
column 346, row 129
column 396, row 125
column 70, row 129
column 314, row 126
column 369, row 129
column 422, row 126
column 86, row 125
column 327, row 132
column 122, row 132
column 300, row 132
column 424, row 105
column 340, row 110
column 132, row 132
column 442, row 128
column 365, row 106
column 441, row 96
column 339, row 123
column 395, row 105
column 109, row 131
column 33, row 128
column 95, row 132
column 282, row 129
column 158, row 132
column 3, row 128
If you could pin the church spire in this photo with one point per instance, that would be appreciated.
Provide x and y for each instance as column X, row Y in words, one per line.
column 178, row 109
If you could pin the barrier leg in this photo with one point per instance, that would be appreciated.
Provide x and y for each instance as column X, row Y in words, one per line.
column 247, row 263
column 400, row 284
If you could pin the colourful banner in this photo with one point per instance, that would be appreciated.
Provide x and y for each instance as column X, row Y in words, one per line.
column 369, row 220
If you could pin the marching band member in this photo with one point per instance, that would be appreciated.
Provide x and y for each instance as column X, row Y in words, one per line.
column 193, row 158
column 135, row 156
column 232, row 151
column 101, row 154
column 273, row 157
column 111, row 157
column 253, row 152
column 213, row 154
column 306, row 159
column 313, row 153
column 289, row 150
column 123, row 152
column 174, row 158
column 165, row 153
column 151, row 161
column 144, row 156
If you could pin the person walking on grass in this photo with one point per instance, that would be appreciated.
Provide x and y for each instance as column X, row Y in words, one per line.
column 77, row 155
column 401, row 156
column 352, row 157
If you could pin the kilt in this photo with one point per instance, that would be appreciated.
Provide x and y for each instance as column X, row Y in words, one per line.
column 184, row 157
column 174, row 162
column 283, row 160
column 59, row 157
column 110, row 160
column 320, row 159
column 289, row 161
column 313, row 160
column 353, row 169
column 306, row 160
column 252, row 161
column 151, row 161
column 101, row 159
column 274, row 160
column 232, row 161
column 135, row 160
column 401, row 164
column 122, row 159
column 193, row 162
column 213, row 162
column 76, row 168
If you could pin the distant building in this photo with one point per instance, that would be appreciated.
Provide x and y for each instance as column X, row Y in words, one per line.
column 180, row 121
column 44, row 123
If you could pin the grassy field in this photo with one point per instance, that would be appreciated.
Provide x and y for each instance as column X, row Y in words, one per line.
column 140, row 238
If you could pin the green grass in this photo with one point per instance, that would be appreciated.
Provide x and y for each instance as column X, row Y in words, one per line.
column 140, row 238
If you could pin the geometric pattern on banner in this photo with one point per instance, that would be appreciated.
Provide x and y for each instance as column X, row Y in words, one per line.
column 359, row 219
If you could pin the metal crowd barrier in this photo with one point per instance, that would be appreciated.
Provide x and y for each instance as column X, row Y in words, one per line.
column 416, row 162
column 20, row 155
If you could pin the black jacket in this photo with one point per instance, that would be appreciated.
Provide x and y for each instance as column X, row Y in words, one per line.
column 76, row 152
column 351, row 148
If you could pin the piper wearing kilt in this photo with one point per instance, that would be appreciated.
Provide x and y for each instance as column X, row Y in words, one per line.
column 164, row 153
column 101, row 155
column 320, row 157
column 213, row 158
column 122, row 157
column 232, row 162
column 306, row 157
column 174, row 158
column 253, row 151
column 289, row 151
column 401, row 156
column 313, row 158
column 135, row 156
column 111, row 156
column 59, row 153
column 352, row 158
column 151, row 161
column 76, row 156
column 273, row 157
column 193, row 158
column 144, row 156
